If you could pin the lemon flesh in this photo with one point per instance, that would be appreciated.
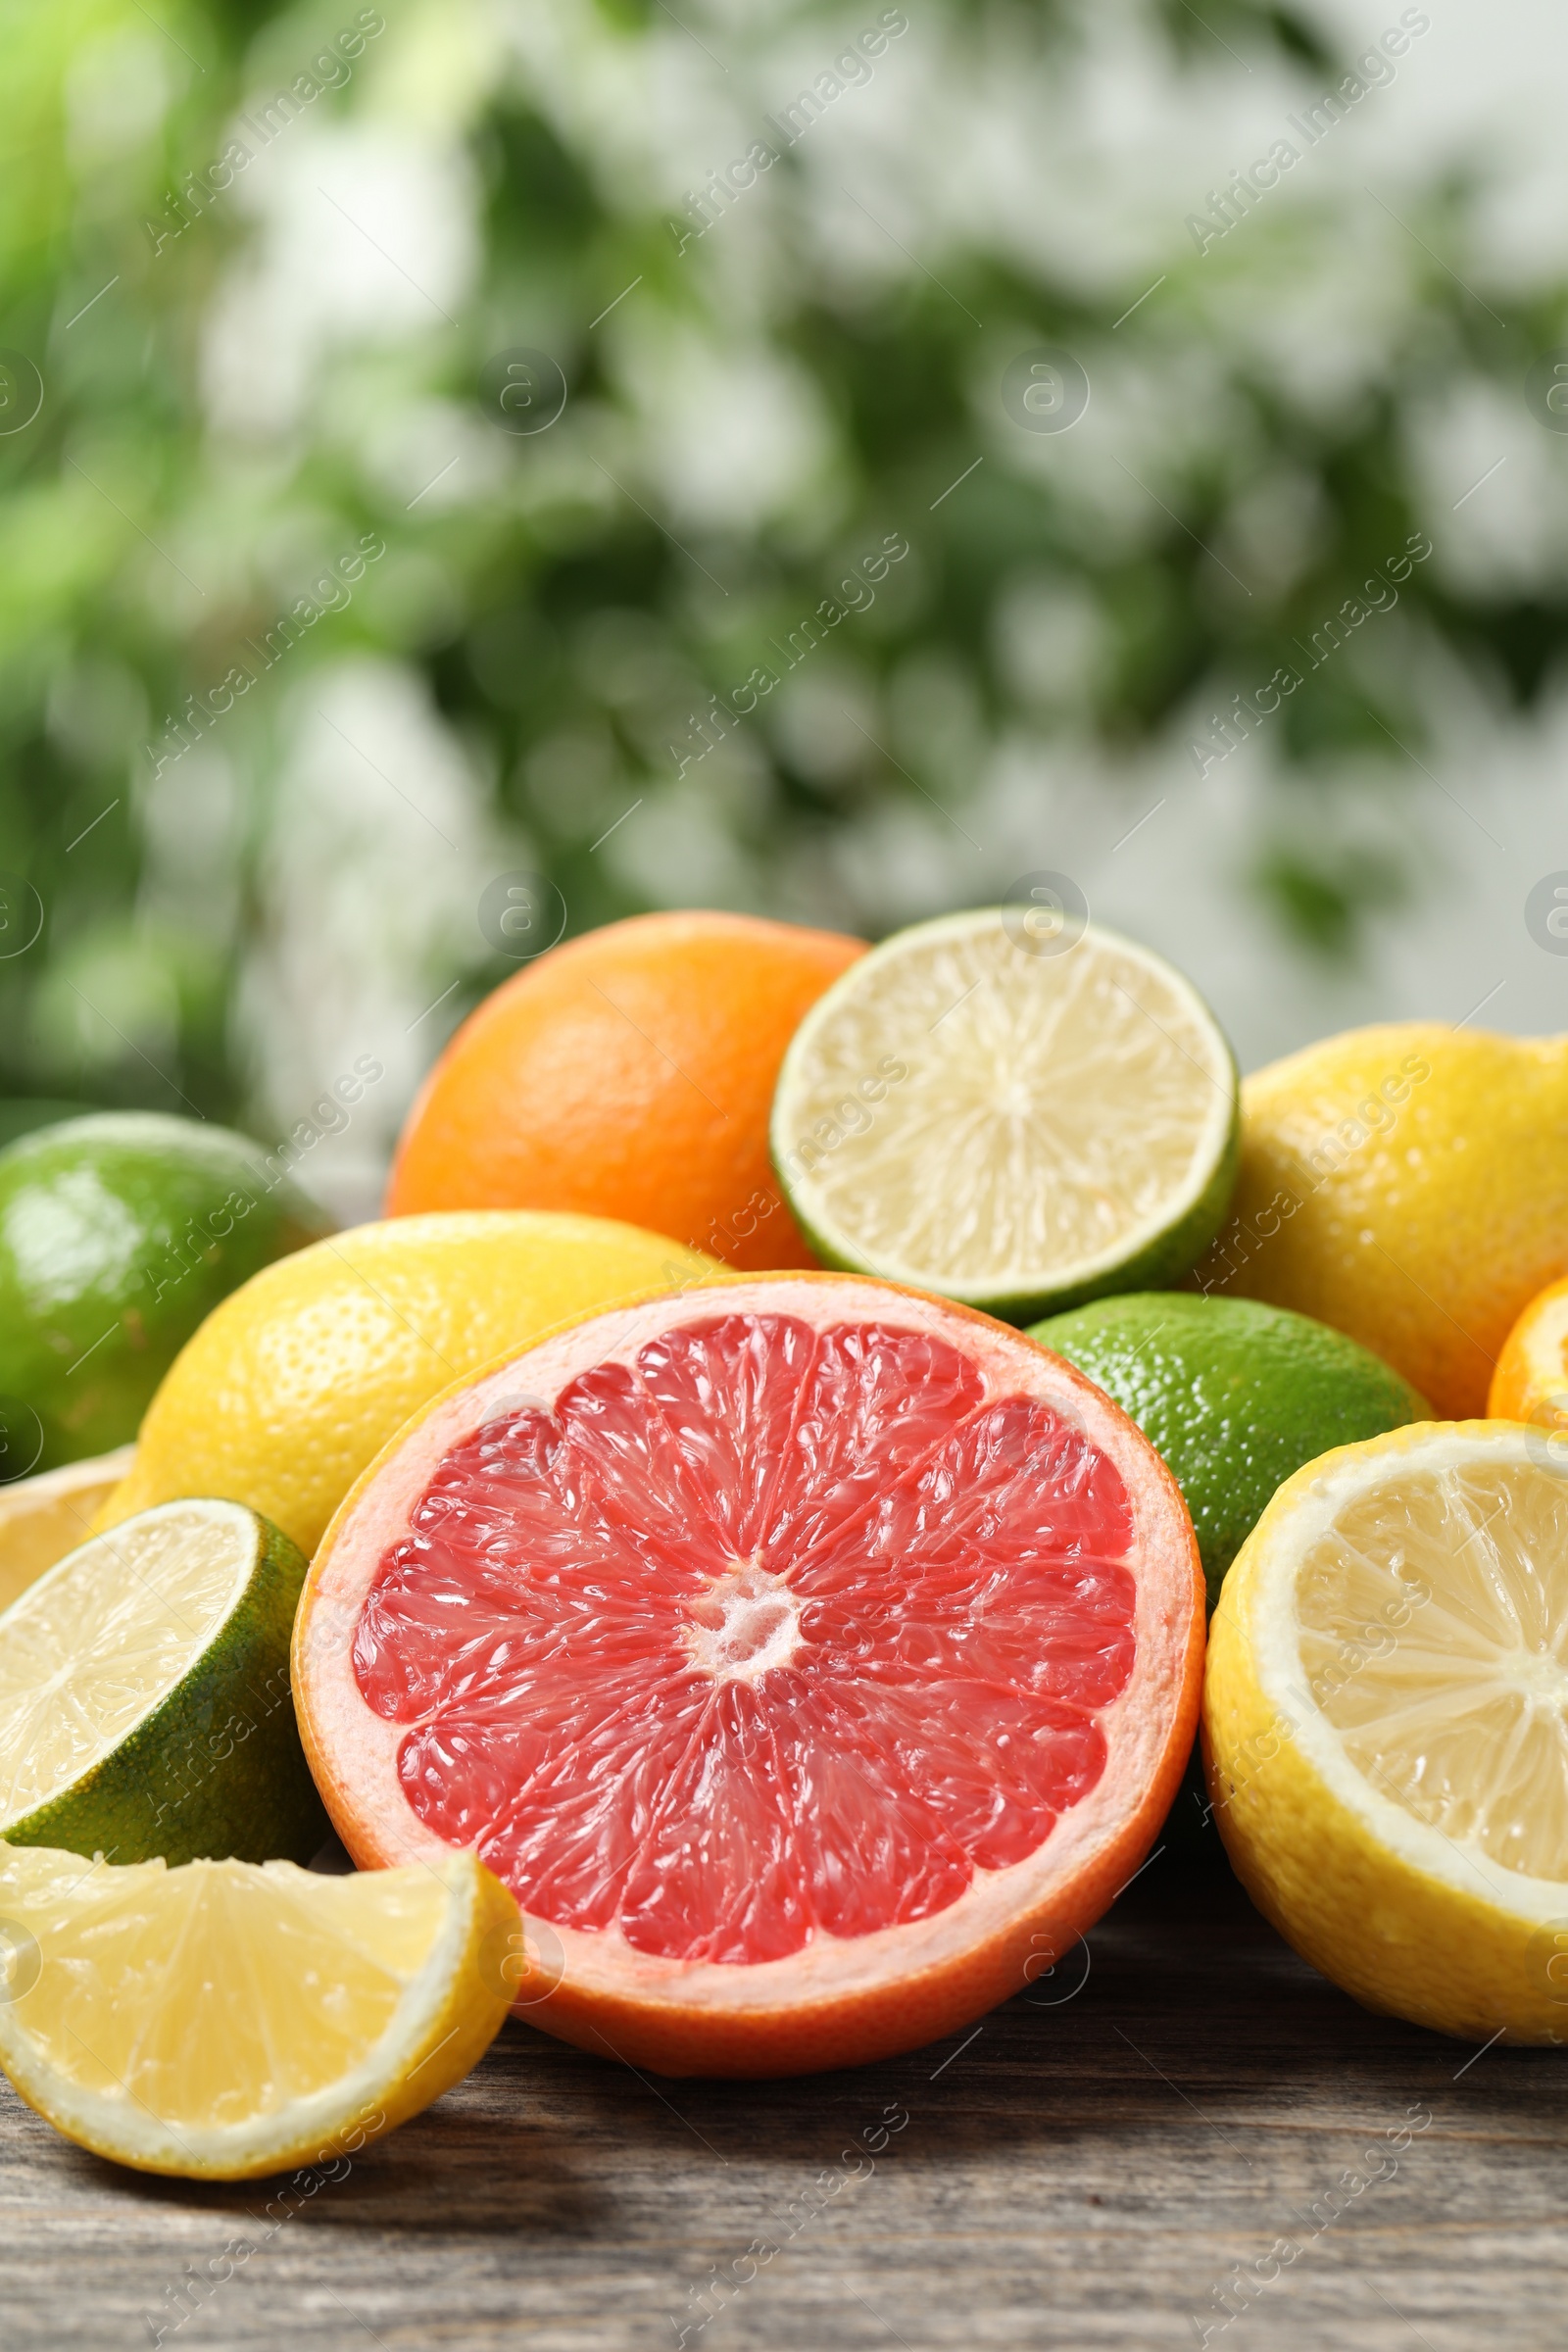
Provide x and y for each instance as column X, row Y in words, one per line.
column 145, row 1704
column 1386, row 1715
column 1015, row 1129
column 227, row 2019
column 47, row 1515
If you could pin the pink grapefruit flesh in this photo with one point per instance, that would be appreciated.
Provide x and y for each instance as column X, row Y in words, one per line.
column 813, row 1665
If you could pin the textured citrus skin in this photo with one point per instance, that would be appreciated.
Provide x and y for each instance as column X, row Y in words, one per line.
column 1410, row 1184
column 628, row 1074
column 1233, row 1395
column 118, row 1234
column 298, row 1380
column 1531, row 1381
column 1394, row 1937
column 215, row 1771
column 812, row 2020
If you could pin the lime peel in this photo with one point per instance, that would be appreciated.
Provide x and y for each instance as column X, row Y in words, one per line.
column 145, row 1704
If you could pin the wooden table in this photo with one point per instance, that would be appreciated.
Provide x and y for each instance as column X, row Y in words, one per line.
column 1086, row 2168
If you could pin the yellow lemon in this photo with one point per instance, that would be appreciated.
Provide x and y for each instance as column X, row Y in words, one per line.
column 1386, row 1724
column 1410, row 1184
column 229, row 2019
column 294, row 1384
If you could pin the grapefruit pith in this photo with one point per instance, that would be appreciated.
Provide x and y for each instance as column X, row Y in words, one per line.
column 814, row 1661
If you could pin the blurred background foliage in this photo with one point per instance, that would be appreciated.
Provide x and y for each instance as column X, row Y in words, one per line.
column 241, row 384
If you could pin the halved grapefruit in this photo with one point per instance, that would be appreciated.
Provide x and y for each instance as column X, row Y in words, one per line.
column 814, row 1666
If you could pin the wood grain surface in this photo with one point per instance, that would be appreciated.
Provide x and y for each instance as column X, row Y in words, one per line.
column 1086, row 2170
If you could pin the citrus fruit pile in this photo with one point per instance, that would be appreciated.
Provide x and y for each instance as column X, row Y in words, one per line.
column 729, row 1553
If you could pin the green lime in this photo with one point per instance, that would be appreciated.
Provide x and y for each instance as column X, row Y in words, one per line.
column 145, row 1706
column 1018, row 1113
column 118, row 1234
column 1233, row 1395
column 24, row 1114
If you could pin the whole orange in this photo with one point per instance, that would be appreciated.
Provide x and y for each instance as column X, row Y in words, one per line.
column 628, row 1074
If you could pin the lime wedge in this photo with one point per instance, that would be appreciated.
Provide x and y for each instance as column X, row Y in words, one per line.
column 222, row 2021
column 969, row 1111
column 145, row 1706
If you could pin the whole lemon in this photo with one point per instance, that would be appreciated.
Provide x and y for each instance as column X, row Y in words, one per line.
column 295, row 1382
column 1410, row 1184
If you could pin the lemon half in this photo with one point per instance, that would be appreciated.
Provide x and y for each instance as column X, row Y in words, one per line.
column 47, row 1515
column 1386, row 1724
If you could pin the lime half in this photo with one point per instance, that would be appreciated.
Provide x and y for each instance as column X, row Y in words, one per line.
column 145, row 1706
column 969, row 1111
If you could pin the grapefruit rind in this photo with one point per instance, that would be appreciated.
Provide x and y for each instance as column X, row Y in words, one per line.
column 840, row 2000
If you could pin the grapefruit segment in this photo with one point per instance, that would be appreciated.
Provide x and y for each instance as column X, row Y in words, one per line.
column 795, row 1660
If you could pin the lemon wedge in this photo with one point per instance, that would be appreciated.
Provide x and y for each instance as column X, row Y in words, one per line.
column 229, row 2019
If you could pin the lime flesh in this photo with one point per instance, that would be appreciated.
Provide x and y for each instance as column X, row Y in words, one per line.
column 145, row 1703
column 1014, row 1129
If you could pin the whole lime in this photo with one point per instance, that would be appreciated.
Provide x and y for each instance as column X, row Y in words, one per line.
column 1235, row 1395
column 118, row 1234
